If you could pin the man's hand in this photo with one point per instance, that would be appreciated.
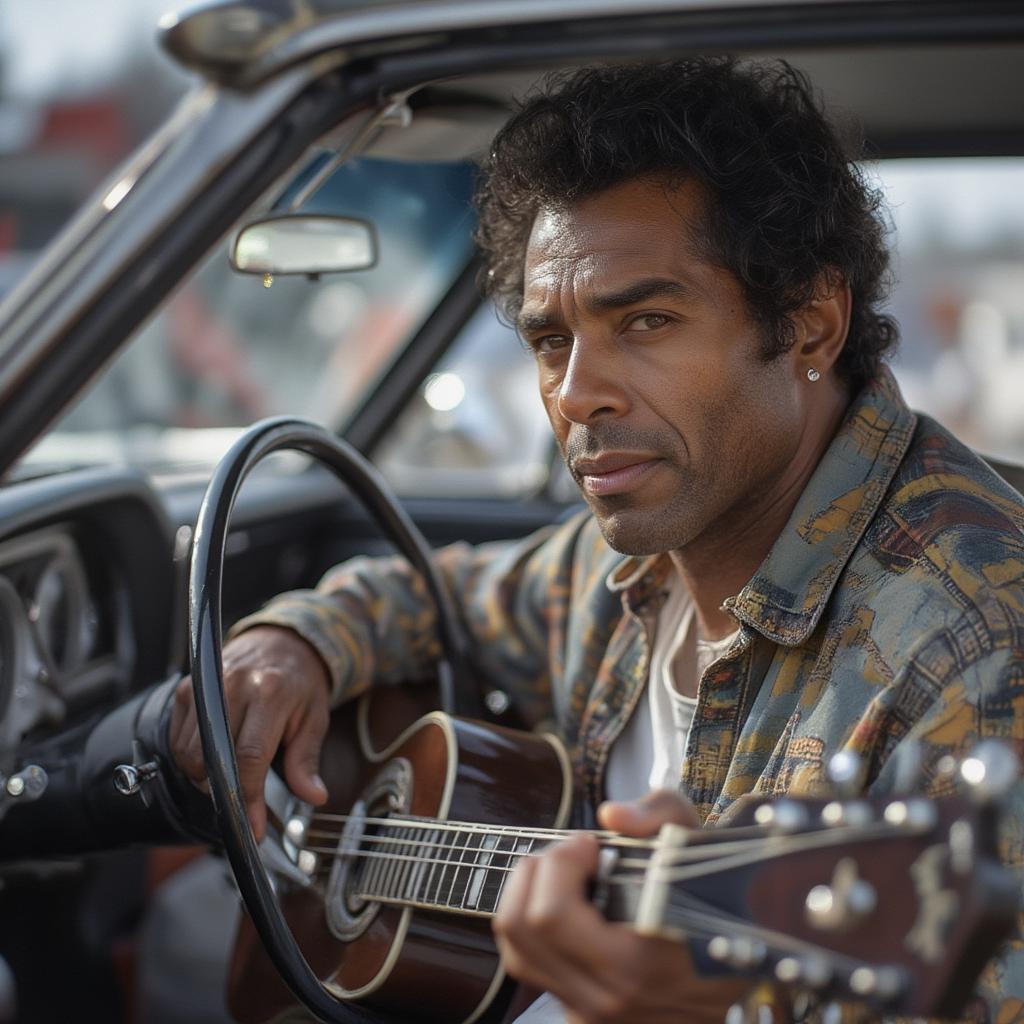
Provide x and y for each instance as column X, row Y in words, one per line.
column 277, row 692
column 552, row 938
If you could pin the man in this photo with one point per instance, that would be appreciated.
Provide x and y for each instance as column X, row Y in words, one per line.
column 811, row 568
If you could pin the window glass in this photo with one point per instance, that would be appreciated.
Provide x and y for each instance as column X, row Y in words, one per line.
column 959, row 248
column 477, row 426
column 226, row 350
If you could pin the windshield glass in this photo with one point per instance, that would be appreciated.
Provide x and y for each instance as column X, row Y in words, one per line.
column 228, row 349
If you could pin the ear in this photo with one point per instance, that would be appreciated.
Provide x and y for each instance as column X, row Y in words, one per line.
column 821, row 325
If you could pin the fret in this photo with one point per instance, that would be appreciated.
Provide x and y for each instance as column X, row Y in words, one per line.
column 470, row 870
column 460, row 877
column 405, row 867
column 481, row 860
column 375, row 868
column 438, row 857
column 503, row 861
column 450, row 869
column 391, row 864
column 419, row 880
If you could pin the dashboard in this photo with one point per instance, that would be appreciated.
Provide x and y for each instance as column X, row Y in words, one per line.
column 89, row 600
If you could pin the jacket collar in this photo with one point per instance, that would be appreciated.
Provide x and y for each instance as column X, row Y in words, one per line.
column 787, row 595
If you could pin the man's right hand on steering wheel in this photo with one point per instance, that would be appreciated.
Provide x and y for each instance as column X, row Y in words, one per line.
column 276, row 688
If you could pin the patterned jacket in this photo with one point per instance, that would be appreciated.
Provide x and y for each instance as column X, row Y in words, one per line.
column 887, row 620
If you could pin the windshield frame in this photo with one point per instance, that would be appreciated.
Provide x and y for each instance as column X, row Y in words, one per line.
column 182, row 193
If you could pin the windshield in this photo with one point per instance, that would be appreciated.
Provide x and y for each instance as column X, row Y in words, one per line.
column 228, row 349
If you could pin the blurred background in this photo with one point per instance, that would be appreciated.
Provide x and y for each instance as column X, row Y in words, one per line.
column 81, row 85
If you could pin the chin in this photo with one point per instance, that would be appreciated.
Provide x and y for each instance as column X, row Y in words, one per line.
column 643, row 533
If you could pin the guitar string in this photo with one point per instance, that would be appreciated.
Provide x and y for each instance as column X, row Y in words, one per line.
column 729, row 852
column 416, row 821
column 696, row 919
column 737, row 834
column 667, row 870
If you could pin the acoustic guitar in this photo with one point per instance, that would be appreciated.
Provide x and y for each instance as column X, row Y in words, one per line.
column 389, row 889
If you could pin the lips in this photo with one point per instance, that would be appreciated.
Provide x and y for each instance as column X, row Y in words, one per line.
column 614, row 472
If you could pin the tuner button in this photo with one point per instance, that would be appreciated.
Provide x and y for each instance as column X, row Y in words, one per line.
column 720, row 948
column 921, row 815
column 832, row 813
column 306, row 861
column 896, row 813
column 990, row 771
column 845, row 771
column 864, row 981
column 295, row 830
column 782, row 816
column 855, row 814
column 788, row 970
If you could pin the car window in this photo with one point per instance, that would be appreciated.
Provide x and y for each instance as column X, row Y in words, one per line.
column 959, row 297
column 229, row 348
column 477, row 427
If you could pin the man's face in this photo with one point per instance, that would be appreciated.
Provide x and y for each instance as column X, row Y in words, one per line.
column 670, row 421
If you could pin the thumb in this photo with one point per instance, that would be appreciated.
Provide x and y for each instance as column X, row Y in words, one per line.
column 644, row 817
column 302, row 761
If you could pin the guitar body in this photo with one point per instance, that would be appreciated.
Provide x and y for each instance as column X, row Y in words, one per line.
column 383, row 755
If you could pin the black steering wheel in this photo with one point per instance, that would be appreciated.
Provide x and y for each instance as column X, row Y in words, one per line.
column 205, row 587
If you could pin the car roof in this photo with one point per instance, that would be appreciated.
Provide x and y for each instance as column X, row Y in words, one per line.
column 923, row 78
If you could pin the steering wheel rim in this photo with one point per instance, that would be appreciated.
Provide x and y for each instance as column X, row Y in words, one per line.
column 205, row 589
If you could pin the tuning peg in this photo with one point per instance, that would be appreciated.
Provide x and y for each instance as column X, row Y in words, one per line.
column 882, row 983
column 990, row 771
column 845, row 771
column 782, row 816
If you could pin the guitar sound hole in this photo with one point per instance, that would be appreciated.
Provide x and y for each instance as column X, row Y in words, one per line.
column 362, row 864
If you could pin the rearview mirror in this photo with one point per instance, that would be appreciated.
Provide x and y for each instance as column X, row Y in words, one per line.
column 304, row 244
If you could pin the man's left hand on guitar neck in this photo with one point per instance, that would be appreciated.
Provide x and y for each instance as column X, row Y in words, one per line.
column 551, row 937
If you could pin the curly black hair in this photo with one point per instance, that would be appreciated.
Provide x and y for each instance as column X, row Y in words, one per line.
column 785, row 205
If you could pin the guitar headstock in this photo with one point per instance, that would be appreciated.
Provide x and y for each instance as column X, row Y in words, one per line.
column 897, row 903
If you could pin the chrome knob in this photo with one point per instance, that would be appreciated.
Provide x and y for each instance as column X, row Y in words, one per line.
column 128, row 778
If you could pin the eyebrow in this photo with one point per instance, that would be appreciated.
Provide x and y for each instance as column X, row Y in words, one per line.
column 638, row 291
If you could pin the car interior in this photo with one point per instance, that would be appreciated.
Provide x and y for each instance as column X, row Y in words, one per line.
column 95, row 551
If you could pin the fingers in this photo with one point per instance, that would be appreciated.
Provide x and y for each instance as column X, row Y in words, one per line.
column 543, row 913
column 644, row 817
column 184, row 734
column 276, row 690
column 302, row 755
column 552, row 938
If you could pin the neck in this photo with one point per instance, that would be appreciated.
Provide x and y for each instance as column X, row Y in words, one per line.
column 717, row 564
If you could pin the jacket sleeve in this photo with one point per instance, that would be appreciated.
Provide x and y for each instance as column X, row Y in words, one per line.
column 372, row 619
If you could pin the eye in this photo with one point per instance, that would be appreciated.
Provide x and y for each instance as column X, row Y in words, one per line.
column 548, row 343
column 649, row 321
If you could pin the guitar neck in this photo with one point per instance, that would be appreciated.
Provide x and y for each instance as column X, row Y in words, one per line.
column 457, row 867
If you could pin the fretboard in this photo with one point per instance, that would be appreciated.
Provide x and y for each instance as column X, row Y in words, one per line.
column 444, row 868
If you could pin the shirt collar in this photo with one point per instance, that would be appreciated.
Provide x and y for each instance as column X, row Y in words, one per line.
column 787, row 595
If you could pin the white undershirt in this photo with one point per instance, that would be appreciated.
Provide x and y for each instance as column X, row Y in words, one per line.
column 650, row 750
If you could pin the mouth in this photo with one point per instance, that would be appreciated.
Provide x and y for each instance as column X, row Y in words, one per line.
column 614, row 472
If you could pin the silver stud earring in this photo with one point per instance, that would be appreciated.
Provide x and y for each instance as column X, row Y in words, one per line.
column 812, row 374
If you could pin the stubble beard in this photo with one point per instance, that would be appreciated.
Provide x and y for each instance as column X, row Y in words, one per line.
column 637, row 530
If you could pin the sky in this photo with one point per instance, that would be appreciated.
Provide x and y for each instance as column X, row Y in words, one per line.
column 53, row 46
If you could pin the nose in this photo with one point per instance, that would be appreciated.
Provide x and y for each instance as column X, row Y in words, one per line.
column 593, row 385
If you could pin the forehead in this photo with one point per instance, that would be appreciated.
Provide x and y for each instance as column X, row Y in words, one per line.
column 641, row 226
